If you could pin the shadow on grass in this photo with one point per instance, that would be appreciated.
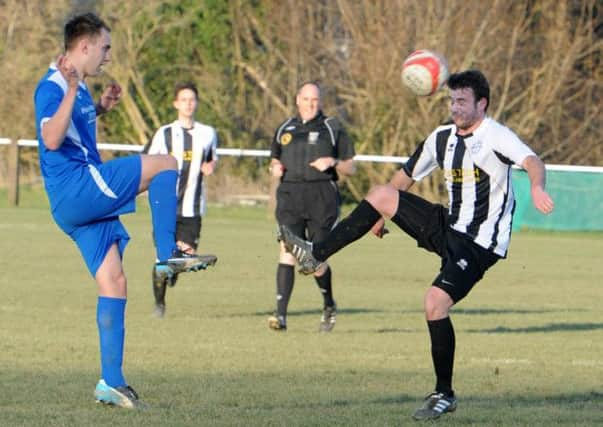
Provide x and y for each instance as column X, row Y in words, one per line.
column 551, row 327
column 488, row 311
column 313, row 312
column 455, row 311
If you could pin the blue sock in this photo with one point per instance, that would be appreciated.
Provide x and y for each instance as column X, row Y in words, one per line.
column 110, row 313
column 163, row 201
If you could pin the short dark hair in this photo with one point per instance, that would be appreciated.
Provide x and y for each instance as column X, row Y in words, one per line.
column 185, row 85
column 473, row 79
column 87, row 24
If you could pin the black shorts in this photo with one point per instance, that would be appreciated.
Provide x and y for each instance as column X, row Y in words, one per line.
column 309, row 209
column 188, row 230
column 464, row 262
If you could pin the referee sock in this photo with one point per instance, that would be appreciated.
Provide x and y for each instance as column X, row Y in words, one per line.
column 442, row 353
column 285, row 278
column 163, row 202
column 324, row 284
column 110, row 313
column 348, row 230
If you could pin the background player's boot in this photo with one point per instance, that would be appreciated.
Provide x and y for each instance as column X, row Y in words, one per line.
column 434, row 406
column 159, row 311
column 277, row 323
column 124, row 397
column 161, row 277
column 328, row 318
column 300, row 249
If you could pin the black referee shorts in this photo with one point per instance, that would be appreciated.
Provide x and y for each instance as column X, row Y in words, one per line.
column 309, row 209
column 464, row 262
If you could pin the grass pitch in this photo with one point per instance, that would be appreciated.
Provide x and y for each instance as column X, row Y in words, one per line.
column 529, row 337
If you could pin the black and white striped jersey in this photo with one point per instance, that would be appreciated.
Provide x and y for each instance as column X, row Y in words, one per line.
column 477, row 170
column 190, row 147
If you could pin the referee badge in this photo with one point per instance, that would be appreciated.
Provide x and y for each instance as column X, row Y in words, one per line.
column 312, row 137
column 286, row 138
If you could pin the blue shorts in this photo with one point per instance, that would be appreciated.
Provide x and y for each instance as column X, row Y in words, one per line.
column 90, row 205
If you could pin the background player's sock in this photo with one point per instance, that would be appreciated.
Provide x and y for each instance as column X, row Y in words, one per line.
column 163, row 201
column 351, row 228
column 285, row 278
column 324, row 284
column 110, row 313
column 442, row 353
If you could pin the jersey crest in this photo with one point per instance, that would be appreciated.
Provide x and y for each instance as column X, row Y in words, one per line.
column 286, row 138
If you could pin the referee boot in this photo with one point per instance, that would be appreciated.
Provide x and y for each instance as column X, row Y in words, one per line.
column 300, row 249
column 435, row 405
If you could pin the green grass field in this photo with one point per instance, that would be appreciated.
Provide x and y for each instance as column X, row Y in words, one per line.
column 529, row 337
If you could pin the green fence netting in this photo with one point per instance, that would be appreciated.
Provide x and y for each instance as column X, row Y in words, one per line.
column 578, row 198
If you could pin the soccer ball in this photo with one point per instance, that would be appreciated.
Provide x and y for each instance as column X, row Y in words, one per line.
column 424, row 72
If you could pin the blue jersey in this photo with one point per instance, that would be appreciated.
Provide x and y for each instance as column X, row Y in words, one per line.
column 79, row 147
column 86, row 195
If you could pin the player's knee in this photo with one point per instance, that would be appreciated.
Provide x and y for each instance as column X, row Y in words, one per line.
column 382, row 198
column 163, row 162
column 437, row 304
column 171, row 162
column 119, row 283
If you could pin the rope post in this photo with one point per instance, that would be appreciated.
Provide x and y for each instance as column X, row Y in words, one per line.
column 13, row 173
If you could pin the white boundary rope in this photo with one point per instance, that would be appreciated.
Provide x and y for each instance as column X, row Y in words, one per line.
column 242, row 152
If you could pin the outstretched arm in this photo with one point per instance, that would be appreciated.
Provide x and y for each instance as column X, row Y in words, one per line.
column 537, row 174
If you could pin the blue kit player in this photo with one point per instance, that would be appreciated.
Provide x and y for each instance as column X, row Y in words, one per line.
column 87, row 196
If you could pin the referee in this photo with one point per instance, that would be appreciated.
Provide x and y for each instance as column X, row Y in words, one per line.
column 194, row 145
column 308, row 153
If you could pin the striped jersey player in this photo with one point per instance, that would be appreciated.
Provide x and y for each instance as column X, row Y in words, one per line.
column 194, row 146
column 476, row 154
column 477, row 171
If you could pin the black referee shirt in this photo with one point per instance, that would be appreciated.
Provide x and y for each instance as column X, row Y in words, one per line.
column 297, row 144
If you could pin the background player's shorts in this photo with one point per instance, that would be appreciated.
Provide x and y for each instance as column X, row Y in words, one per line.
column 188, row 230
column 311, row 206
column 89, row 206
column 463, row 261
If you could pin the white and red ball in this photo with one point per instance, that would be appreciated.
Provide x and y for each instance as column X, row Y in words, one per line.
column 424, row 72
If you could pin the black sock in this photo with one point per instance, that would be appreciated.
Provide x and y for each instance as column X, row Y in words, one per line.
column 348, row 230
column 324, row 284
column 442, row 353
column 285, row 277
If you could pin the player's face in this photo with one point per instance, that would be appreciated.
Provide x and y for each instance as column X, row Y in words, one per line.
column 466, row 112
column 186, row 104
column 98, row 50
column 308, row 102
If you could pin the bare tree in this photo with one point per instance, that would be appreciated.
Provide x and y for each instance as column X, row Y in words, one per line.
column 542, row 59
